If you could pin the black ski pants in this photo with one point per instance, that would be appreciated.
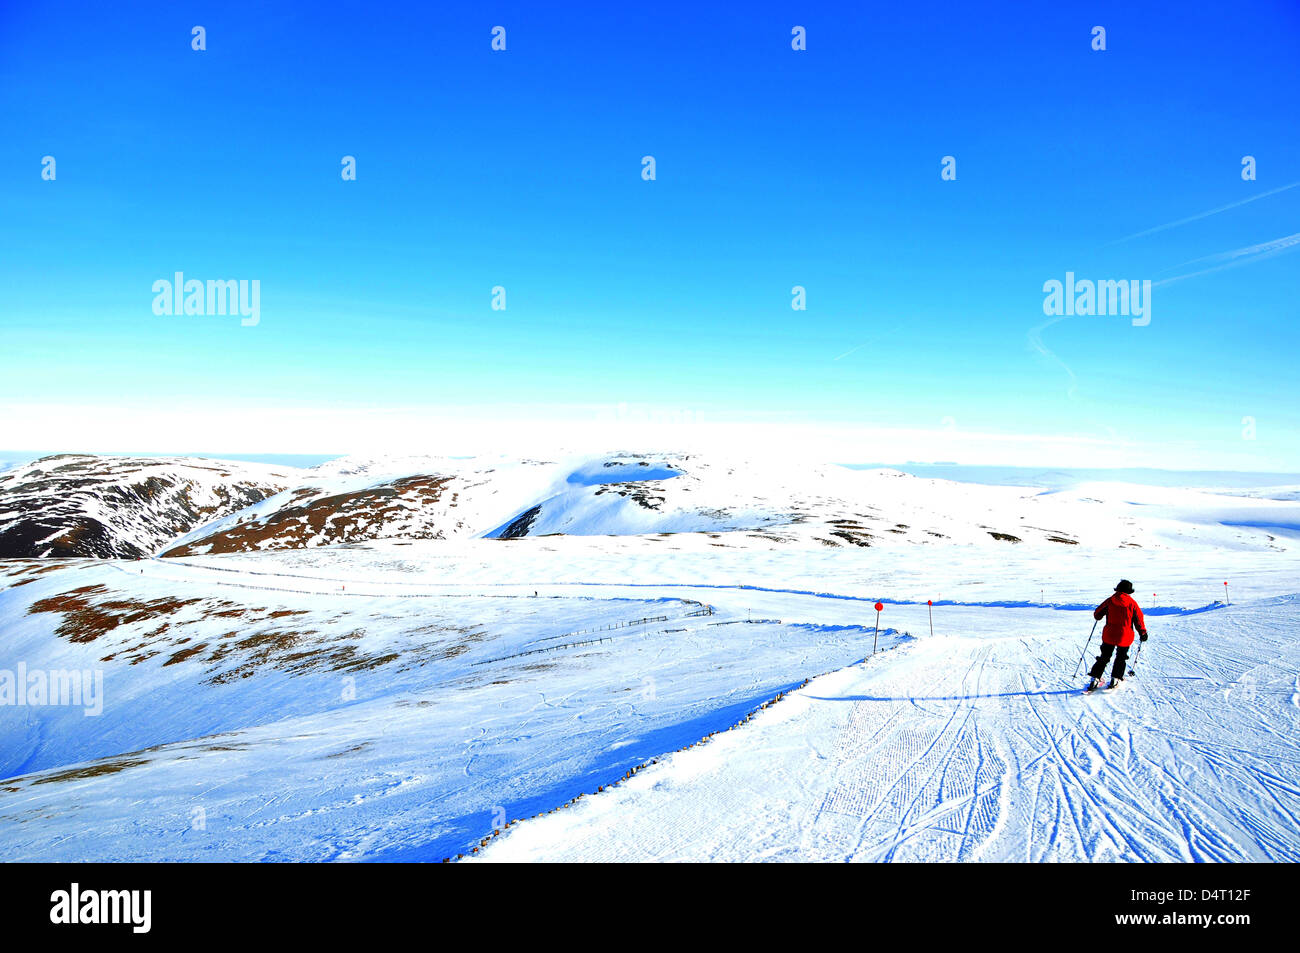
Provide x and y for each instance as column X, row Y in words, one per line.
column 1121, row 660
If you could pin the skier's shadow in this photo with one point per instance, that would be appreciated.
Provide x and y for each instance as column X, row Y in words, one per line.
column 939, row 698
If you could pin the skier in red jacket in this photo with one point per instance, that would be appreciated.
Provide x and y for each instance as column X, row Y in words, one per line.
column 1122, row 615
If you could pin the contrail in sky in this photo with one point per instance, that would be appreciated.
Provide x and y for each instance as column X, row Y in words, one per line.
column 1200, row 215
column 1237, row 256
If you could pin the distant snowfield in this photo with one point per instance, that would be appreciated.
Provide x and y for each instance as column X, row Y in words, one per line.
column 406, row 699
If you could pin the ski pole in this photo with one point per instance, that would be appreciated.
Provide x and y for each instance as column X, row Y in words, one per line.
column 1085, row 648
column 1132, row 669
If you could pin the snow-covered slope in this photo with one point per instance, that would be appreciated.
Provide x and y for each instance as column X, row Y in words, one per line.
column 307, row 678
column 84, row 505
column 976, row 747
column 333, row 722
column 405, row 699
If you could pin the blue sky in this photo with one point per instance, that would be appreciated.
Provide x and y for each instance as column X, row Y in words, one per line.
column 667, row 301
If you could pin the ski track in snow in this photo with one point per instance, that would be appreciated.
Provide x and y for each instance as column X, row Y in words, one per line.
column 965, row 748
column 974, row 746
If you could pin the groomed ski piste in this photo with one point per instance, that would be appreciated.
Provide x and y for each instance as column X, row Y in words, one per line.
column 691, row 697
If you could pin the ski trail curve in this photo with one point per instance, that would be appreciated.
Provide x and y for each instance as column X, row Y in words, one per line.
column 964, row 748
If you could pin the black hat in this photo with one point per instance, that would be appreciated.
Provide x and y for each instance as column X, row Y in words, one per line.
column 1125, row 586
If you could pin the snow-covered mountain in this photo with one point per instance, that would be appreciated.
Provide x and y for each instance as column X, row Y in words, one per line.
column 86, row 505
column 444, row 498
column 104, row 506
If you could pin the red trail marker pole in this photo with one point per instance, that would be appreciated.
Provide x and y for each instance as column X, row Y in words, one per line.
column 929, row 603
column 1225, row 593
column 876, row 638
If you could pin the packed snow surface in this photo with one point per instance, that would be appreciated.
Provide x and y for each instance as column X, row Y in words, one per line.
column 410, row 698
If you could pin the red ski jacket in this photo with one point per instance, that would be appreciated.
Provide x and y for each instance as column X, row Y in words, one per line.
column 1122, row 616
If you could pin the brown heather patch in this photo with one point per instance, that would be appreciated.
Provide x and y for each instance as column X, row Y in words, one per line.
column 263, row 642
column 251, row 614
column 183, row 654
column 67, row 542
column 336, row 658
column 260, row 645
column 179, row 751
column 21, row 572
column 97, row 770
column 353, row 750
column 84, row 621
column 300, row 651
column 853, row 524
column 856, row 538
column 343, row 517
